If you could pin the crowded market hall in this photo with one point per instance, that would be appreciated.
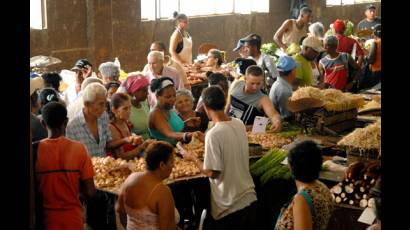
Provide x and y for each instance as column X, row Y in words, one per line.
column 202, row 115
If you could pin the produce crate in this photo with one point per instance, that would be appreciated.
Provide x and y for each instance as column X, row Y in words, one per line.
column 336, row 121
column 345, row 217
column 255, row 149
column 326, row 122
column 366, row 156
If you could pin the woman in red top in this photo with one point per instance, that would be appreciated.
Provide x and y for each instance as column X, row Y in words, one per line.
column 120, row 127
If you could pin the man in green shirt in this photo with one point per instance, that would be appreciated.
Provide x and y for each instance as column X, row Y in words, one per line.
column 311, row 47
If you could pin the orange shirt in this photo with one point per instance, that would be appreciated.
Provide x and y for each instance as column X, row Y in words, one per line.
column 377, row 65
column 61, row 164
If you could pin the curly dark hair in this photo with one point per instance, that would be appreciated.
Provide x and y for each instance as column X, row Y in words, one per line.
column 305, row 160
column 52, row 79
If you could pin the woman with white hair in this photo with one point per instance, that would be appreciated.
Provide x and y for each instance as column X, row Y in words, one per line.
column 317, row 30
column 109, row 72
column 184, row 104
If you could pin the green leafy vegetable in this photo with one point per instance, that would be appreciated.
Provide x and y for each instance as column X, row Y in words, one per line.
column 269, row 48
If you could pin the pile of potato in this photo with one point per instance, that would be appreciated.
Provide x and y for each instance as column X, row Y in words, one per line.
column 111, row 173
column 196, row 147
column 183, row 168
column 268, row 140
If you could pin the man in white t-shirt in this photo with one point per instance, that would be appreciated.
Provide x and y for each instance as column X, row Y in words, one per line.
column 226, row 163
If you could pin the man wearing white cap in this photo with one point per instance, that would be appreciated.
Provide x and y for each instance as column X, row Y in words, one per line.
column 311, row 47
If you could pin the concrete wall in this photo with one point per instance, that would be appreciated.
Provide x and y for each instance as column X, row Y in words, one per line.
column 101, row 30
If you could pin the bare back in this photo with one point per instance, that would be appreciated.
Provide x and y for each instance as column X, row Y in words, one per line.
column 141, row 191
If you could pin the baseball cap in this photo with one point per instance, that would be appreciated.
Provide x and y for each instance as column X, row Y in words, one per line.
column 81, row 64
column 48, row 95
column 238, row 45
column 370, row 6
column 339, row 26
column 286, row 63
column 313, row 43
column 252, row 39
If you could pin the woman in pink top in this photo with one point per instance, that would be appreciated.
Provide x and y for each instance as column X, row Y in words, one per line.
column 144, row 199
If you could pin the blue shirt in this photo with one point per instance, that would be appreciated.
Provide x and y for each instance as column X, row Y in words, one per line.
column 78, row 130
column 279, row 94
column 176, row 124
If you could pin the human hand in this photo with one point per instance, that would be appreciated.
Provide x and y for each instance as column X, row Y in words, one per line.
column 188, row 155
column 199, row 135
column 134, row 139
column 87, row 71
column 276, row 124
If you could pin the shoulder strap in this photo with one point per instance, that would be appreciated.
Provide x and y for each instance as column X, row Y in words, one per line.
column 152, row 191
column 112, row 123
column 179, row 31
column 309, row 202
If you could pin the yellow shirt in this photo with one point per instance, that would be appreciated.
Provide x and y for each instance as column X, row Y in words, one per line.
column 304, row 72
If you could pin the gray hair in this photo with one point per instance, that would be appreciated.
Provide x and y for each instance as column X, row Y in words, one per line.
column 317, row 29
column 110, row 69
column 159, row 55
column 92, row 91
column 184, row 92
column 90, row 80
column 331, row 41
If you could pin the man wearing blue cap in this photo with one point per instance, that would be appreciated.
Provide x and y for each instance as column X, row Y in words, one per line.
column 282, row 88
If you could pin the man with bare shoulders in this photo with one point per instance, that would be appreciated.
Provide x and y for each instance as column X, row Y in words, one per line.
column 292, row 31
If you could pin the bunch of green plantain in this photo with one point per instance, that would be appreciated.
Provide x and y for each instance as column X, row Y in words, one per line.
column 269, row 167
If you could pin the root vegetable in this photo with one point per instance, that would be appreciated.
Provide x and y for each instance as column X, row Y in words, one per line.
column 337, row 189
column 363, row 203
column 348, row 189
column 371, row 203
